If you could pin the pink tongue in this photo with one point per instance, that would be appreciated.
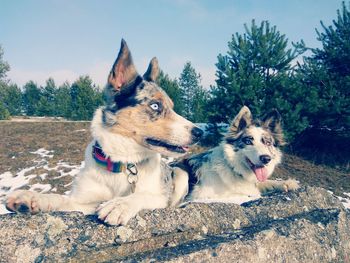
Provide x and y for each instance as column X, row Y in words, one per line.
column 261, row 174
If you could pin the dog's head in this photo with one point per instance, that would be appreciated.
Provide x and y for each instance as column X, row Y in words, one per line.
column 138, row 108
column 252, row 146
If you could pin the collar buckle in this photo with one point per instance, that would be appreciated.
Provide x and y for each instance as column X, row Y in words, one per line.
column 132, row 175
column 130, row 169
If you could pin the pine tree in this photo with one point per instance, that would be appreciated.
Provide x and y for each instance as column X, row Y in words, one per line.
column 171, row 87
column 63, row 101
column 85, row 98
column 193, row 96
column 327, row 73
column 31, row 98
column 46, row 105
column 4, row 68
column 199, row 105
column 4, row 113
column 12, row 98
column 256, row 72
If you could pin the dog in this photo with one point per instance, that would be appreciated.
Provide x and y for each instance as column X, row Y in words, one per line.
column 238, row 169
column 123, row 171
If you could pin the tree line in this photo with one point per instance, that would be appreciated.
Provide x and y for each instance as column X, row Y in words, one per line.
column 261, row 70
column 76, row 101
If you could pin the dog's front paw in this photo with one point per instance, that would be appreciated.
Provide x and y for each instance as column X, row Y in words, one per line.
column 291, row 185
column 116, row 212
column 23, row 201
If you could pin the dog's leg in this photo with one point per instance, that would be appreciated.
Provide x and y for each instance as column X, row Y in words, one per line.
column 86, row 195
column 280, row 186
column 180, row 183
column 32, row 202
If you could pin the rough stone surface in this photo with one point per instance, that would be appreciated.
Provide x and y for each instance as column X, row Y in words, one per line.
column 309, row 225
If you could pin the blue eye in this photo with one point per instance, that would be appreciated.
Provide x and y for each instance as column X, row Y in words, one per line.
column 154, row 106
column 248, row 140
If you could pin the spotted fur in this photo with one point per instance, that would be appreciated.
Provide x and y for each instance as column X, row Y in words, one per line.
column 135, row 126
column 237, row 169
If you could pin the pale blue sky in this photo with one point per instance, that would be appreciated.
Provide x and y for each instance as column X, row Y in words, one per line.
column 65, row 39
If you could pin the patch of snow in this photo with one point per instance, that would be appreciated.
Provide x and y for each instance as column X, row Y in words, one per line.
column 3, row 210
column 10, row 182
column 345, row 201
column 74, row 169
column 40, row 188
column 43, row 176
column 43, row 153
column 81, row 130
column 69, row 184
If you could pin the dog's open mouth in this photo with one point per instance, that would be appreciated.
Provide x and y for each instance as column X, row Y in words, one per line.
column 169, row 147
column 260, row 171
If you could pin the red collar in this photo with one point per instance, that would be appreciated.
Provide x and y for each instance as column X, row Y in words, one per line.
column 115, row 167
column 104, row 161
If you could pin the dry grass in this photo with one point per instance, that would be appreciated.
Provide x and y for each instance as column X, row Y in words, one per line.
column 68, row 140
column 308, row 173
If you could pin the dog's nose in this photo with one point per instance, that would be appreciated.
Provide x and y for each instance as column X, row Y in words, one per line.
column 196, row 133
column 265, row 159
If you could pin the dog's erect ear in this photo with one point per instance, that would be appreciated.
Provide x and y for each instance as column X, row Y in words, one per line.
column 152, row 71
column 242, row 120
column 123, row 71
column 273, row 122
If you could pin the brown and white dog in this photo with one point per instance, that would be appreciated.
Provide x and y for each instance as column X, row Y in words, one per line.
column 123, row 172
column 238, row 169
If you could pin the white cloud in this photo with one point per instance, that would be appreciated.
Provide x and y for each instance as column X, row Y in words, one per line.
column 98, row 73
column 22, row 76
